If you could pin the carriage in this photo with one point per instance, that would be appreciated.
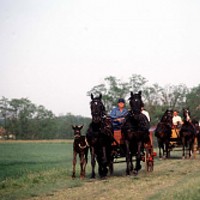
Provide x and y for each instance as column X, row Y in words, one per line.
column 182, row 137
column 119, row 150
column 176, row 143
column 127, row 144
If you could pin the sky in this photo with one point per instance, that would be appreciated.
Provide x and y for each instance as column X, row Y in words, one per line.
column 54, row 52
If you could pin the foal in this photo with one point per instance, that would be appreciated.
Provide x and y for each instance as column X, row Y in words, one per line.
column 80, row 147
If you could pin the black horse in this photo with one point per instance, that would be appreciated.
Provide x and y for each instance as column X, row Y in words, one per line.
column 136, row 132
column 197, row 128
column 187, row 133
column 100, row 137
column 163, row 133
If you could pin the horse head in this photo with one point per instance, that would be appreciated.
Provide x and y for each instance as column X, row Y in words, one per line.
column 77, row 130
column 186, row 115
column 167, row 116
column 136, row 102
column 97, row 108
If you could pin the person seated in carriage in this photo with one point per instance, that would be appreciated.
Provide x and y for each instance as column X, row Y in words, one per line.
column 146, row 113
column 176, row 120
column 177, row 123
column 118, row 114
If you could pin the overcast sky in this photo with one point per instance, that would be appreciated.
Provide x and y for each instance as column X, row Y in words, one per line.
column 53, row 52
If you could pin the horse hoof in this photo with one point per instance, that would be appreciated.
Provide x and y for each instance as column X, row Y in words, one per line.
column 128, row 173
column 92, row 177
column 135, row 172
column 138, row 168
column 73, row 176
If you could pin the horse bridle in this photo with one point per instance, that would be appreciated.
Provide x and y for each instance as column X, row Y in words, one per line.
column 99, row 111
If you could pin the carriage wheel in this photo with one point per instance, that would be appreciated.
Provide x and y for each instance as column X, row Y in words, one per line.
column 150, row 165
column 195, row 147
column 149, row 160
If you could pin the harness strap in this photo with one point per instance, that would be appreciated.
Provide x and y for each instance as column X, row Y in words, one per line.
column 82, row 147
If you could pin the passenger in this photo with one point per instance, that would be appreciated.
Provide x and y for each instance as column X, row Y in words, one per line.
column 176, row 120
column 146, row 113
column 118, row 114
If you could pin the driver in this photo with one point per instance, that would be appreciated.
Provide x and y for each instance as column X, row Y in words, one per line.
column 118, row 114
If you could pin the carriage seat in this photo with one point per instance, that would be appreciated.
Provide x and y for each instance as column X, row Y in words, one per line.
column 119, row 137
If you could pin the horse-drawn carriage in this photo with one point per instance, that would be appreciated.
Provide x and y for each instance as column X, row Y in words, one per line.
column 182, row 137
column 176, row 142
column 119, row 150
column 133, row 142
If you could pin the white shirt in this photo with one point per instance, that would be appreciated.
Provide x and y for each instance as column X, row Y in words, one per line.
column 146, row 114
column 176, row 119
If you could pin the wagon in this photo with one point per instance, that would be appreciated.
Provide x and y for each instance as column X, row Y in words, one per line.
column 119, row 150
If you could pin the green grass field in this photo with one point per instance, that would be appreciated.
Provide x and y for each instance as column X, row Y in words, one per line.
column 42, row 171
column 29, row 169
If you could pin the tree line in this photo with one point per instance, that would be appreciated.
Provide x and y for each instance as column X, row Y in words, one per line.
column 26, row 120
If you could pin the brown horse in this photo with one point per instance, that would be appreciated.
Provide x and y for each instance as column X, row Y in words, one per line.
column 80, row 147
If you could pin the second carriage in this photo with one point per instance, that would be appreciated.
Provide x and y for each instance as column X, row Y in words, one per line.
column 176, row 143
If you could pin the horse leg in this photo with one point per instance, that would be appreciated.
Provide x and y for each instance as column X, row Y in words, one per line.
column 191, row 143
column 128, row 159
column 131, row 162
column 167, row 149
column 111, row 160
column 105, row 162
column 74, row 164
column 163, row 150
column 183, row 143
column 138, row 158
column 82, row 165
column 198, row 141
column 159, row 147
column 93, row 161
column 85, row 155
column 111, row 167
column 82, row 160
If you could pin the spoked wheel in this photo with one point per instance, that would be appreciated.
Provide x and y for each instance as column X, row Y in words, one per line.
column 149, row 159
column 150, row 164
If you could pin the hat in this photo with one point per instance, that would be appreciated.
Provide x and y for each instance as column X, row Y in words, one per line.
column 121, row 100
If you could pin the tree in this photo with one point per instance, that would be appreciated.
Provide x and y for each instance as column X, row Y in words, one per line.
column 23, row 112
column 174, row 97
column 193, row 102
column 137, row 83
column 3, row 110
column 29, row 121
